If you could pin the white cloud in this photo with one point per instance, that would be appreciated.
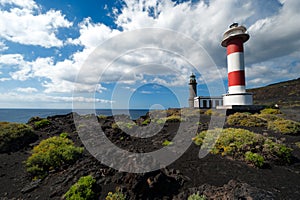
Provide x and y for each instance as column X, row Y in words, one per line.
column 11, row 59
column 205, row 24
column 3, row 46
column 146, row 92
column 24, row 26
column 280, row 69
column 273, row 33
column 13, row 97
column 27, row 90
column 277, row 35
column 4, row 79
column 29, row 4
column 92, row 34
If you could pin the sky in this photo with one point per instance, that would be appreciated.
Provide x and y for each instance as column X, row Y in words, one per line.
column 137, row 54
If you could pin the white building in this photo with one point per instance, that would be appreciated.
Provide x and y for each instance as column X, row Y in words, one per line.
column 207, row 102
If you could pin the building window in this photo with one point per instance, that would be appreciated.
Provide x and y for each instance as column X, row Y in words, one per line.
column 204, row 104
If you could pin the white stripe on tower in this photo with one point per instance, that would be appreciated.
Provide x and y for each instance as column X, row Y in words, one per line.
column 235, row 63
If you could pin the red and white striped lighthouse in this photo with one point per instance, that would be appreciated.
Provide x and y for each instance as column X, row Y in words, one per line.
column 233, row 40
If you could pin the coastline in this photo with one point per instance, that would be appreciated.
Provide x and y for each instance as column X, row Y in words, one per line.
column 22, row 115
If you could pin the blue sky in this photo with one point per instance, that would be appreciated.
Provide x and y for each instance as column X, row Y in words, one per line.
column 57, row 53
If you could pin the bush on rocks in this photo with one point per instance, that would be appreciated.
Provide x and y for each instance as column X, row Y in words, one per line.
column 212, row 112
column 14, row 136
column 84, row 189
column 245, row 119
column 174, row 118
column 41, row 123
column 254, row 158
column 272, row 111
column 51, row 154
column 237, row 142
column 268, row 117
column 196, row 196
column 284, row 126
column 115, row 196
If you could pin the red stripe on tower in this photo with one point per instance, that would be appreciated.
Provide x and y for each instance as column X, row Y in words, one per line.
column 235, row 45
column 236, row 78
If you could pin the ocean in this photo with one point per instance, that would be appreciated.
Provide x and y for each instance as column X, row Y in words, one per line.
column 23, row 115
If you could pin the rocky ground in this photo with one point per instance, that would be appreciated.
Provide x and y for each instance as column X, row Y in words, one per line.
column 214, row 176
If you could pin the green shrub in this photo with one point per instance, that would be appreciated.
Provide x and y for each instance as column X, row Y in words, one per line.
column 42, row 123
column 160, row 121
column 272, row 111
column 51, row 154
column 14, row 136
column 212, row 112
column 173, row 118
column 84, row 189
column 255, row 159
column 297, row 144
column 276, row 152
column 114, row 126
column 167, row 143
column 64, row 135
column 146, row 122
column 268, row 117
column 123, row 125
column 115, row 196
column 236, row 142
column 196, row 196
column 102, row 117
column 284, row 126
column 244, row 119
column 187, row 112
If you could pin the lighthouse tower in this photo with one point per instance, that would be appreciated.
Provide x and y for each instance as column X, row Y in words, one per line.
column 233, row 40
column 193, row 90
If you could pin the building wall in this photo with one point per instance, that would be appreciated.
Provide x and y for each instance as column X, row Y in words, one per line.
column 207, row 102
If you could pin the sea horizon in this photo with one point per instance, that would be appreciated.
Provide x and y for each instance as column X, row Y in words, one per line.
column 22, row 115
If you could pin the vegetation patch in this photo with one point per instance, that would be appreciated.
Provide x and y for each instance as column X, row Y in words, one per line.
column 14, row 136
column 123, row 125
column 41, row 123
column 160, row 121
column 272, row 111
column 167, row 143
column 196, row 196
column 174, row 118
column 64, row 135
column 84, row 189
column 243, row 145
column 51, row 154
column 245, row 119
column 254, row 158
column 188, row 112
column 102, row 117
column 115, row 196
column 284, row 126
column 146, row 122
column 268, row 117
column 212, row 112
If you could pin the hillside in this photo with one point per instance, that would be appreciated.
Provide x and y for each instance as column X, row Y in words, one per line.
column 285, row 94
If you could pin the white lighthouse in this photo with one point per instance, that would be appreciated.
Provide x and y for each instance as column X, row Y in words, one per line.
column 233, row 40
